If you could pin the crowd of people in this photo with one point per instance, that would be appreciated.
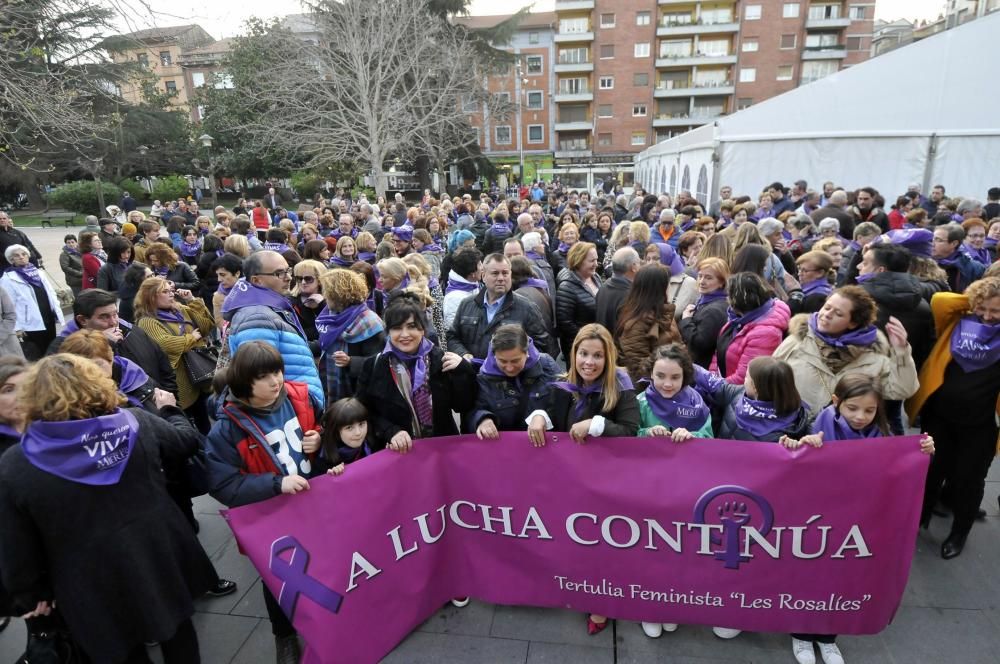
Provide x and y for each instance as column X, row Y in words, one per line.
column 245, row 352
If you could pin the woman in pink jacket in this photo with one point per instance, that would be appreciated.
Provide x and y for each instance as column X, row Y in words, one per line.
column 757, row 323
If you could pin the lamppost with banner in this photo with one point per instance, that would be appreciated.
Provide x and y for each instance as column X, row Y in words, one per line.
column 206, row 142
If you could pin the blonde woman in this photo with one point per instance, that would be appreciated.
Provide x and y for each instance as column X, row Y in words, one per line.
column 306, row 296
column 366, row 245
column 619, row 239
column 349, row 332
column 428, row 280
column 237, row 245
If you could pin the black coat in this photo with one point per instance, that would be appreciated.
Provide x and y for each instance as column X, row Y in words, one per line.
column 470, row 333
column 701, row 331
column 388, row 411
column 622, row 420
column 508, row 401
column 609, row 300
column 209, row 280
column 182, row 276
column 899, row 294
column 840, row 214
column 120, row 560
column 575, row 307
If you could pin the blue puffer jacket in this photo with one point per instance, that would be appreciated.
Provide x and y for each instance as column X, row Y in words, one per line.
column 262, row 323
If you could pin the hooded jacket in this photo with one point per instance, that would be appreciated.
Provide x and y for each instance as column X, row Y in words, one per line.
column 756, row 338
column 899, row 294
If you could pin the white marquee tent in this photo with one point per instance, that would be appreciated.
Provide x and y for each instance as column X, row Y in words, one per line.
column 926, row 113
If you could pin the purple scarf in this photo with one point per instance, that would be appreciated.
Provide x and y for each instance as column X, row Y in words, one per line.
column 490, row 368
column 835, row 427
column 93, row 451
column 564, row 248
column 189, row 250
column 366, row 256
column 536, row 283
column 131, row 378
column 759, row 418
column 981, row 255
column 686, row 409
column 161, row 271
column 708, row 298
column 69, row 328
column 430, row 248
column 498, row 228
column 30, row 274
column 464, row 286
column 9, row 431
column 225, row 291
column 583, row 392
column 71, row 251
column 172, row 316
column 953, row 260
column 862, row 278
column 859, row 337
column 419, row 359
column 817, row 287
column 342, row 262
column 246, row 294
column 975, row 345
column 738, row 322
column 534, row 256
column 279, row 247
column 670, row 258
column 331, row 326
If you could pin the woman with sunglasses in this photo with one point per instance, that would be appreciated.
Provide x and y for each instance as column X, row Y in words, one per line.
column 306, row 297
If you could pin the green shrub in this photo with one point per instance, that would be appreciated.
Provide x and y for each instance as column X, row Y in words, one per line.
column 132, row 187
column 307, row 183
column 82, row 197
column 170, row 187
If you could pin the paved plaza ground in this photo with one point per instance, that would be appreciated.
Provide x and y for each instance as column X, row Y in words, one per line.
column 950, row 612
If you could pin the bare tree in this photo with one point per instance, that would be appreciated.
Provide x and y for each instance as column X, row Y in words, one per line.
column 387, row 80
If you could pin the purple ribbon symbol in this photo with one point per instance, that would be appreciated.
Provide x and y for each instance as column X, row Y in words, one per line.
column 295, row 581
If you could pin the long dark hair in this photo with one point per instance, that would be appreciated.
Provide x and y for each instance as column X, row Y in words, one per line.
column 858, row 385
column 340, row 414
column 775, row 382
column 648, row 295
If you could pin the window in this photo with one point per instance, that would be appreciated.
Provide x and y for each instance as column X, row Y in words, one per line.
column 676, row 18
column 788, row 41
column 857, row 13
column 502, row 135
column 533, row 64
column 715, row 16
column 743, row 102
column 171, row 87
column 642, row 18
column 604, row 140
column 143, row 59
column 502, row 98
column 607, row 20
column 532, row 37
column 200, row 113
column 607, row 51
column 713, row 47
column 479, row 138
column 784, row 72
column 752, row 13
column 574, row 56
column 574, row 26
column 165, row 58
column 813, row 70
column 638, row 138
column 640, row 79
column 571, row 144
column 638, row 110
column 574, row 113
column 197, row 79
column 824, row 11
column 536, row 133
column 607, row 83
column 750, row 46
column 604, row 111
column 854, row 43
column 535, row 99
column 573, row 86
column 748, row 74
column 711, row 78
column 820, row 41
column 790, row 10
column 223, row 82
column 642, row 50
column 675, row 48
column 469, row 104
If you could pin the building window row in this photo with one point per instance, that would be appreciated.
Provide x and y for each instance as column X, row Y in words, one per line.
column 815, row 11
column 503, row 134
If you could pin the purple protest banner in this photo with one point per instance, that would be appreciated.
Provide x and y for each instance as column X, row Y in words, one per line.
column 737, row 534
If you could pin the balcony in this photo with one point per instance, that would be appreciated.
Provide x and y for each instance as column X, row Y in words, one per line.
column 573, row 67
column 684, row 120
column 695, row 28
column 564, row 37
column 583, row 95
column 695, row 60
column 574, row 153
column 570, row 5
column 827, row 23
column 669, row 89
column 581, row 125
column 824, row 53
column 674, row 2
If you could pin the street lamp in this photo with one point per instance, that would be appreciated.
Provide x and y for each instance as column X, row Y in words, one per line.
column 143, row 150
column 206, row 142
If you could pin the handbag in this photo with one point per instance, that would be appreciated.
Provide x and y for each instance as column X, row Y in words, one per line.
column 63, row 294
column 200, row 364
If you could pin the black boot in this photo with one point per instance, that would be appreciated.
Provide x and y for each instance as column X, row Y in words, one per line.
column 952, row 547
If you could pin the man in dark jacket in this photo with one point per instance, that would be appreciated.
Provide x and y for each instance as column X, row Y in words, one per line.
column 495, row 305
column 835, row 207
column 624, row 264
column 779, row 201
column 865, row 209
column 96, row 309
column 10, row 236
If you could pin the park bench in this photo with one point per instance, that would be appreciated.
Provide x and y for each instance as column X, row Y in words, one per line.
column 68, row 218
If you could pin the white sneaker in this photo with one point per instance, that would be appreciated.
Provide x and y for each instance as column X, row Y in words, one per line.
column 831, row 653
column 460, row 602
column 726, row 632
column 652, row 630
column 803, row 651
column 669, row 627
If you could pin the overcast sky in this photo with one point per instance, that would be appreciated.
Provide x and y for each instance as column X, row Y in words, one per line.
column 224, row 18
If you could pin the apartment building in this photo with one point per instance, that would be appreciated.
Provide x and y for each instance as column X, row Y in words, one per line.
column 630, row 73
column 203, row 66
column 891, row 35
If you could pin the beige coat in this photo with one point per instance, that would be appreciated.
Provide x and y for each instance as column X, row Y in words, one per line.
column 816, row 381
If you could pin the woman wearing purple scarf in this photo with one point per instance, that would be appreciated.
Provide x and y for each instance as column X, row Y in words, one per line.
column 36, row 306
column 92, row 469
column 594, row 399
column 190, row 246
column 842, row 338
column 857, row 412
column 71, row 262
column 702, row 321
column 815, row 275
column 958, row 401
column 306, row 297
column 412, row 386
column 349, row 332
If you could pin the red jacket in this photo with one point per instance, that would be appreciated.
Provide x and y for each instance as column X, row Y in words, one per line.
column 91, row 266
column 254, row 450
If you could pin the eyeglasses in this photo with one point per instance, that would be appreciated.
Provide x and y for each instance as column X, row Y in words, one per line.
column 307, row 279
column 279, row 273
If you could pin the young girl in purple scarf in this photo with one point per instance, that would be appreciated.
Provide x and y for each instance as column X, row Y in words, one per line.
column 857, row 411
column 345, row 434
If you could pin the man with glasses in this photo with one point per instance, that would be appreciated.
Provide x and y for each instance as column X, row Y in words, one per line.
column 10, row 236
column 257, row 310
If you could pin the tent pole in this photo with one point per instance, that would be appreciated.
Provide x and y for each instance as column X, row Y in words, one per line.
column 716, row 182
column 929, row 165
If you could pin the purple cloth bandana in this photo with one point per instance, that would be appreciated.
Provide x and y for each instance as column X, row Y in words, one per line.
column 975, row 345
column 93, row 451
column 859, row 337
column 686, row 409
column 835, row 427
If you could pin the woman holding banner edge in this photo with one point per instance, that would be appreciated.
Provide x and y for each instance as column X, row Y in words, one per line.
column 595, row 399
